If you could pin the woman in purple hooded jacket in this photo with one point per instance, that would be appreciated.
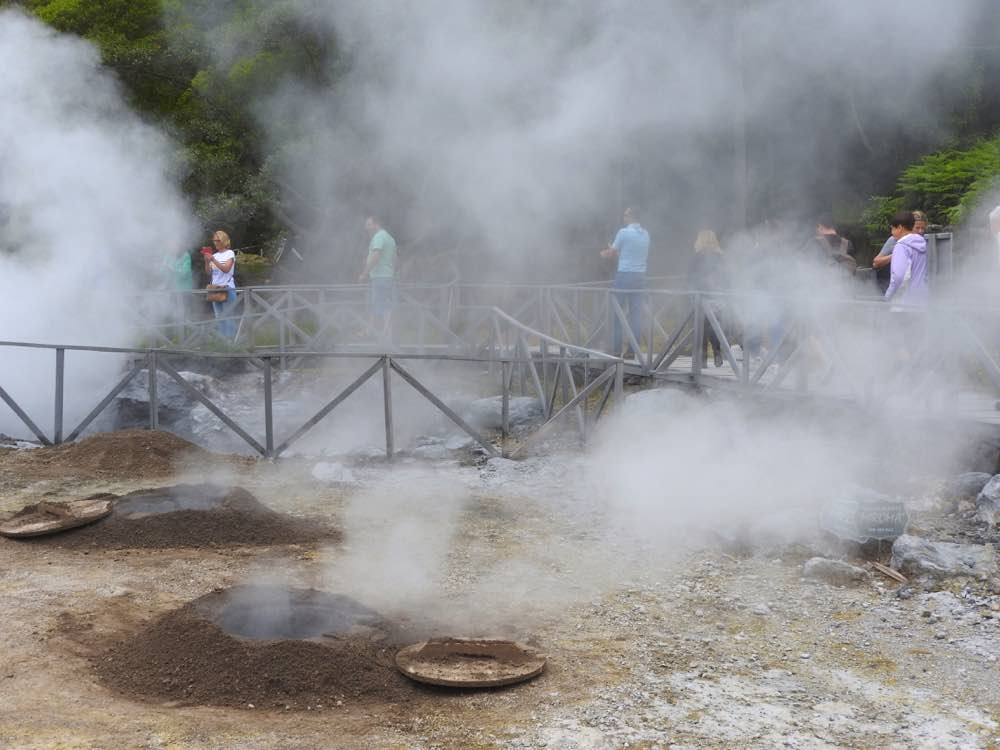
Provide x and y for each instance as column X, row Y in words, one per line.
column 908, row 256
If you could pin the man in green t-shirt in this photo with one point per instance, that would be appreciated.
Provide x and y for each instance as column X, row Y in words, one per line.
column 380, row 271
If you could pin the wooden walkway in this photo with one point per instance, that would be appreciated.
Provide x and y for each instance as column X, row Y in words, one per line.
column 962, row 405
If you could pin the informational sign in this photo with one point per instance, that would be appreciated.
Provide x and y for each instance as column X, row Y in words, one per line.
column 864, row 520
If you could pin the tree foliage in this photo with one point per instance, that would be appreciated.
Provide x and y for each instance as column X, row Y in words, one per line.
column 196, row 67
column 948, row 185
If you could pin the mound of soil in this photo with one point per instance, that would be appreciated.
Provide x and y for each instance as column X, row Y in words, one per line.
column 125, row 454
column 184, row 658
column 235, row 518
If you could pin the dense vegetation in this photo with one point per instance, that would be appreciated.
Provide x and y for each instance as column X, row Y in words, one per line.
column 159, row 50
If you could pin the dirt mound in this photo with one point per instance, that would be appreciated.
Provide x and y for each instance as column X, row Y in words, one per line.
column 186, row 659
column 205, row 516
column 125, row 454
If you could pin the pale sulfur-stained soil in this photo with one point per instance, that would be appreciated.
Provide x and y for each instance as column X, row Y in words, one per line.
column 713, row 650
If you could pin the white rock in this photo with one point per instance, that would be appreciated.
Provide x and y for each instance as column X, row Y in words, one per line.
column 332, row 472
column 941, row 559
column 988, row 502
column 836, row 572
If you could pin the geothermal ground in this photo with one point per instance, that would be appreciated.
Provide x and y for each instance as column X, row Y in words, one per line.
column 708, row 645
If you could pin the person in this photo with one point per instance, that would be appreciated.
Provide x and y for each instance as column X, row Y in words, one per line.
column 831, row 246
column 883, row 260
column 908, row 268
column 178, row 277
column 631, row 248
column 380, row 271
column 177, row 271
column 220, row 262
column 706, row 275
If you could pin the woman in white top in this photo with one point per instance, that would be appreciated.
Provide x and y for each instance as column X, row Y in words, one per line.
column 222, row 266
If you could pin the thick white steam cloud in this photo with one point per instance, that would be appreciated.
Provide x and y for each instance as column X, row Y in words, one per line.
column 87, row 213
column 515, row 132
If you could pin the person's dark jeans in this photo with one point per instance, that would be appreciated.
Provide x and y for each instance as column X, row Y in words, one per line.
column 631, row 304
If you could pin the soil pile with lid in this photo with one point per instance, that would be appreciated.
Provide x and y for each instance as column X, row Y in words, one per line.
column 191, row 516
column 185, row 658
column 125, row 454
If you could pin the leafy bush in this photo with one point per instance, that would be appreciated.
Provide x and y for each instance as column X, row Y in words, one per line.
column 947, row 185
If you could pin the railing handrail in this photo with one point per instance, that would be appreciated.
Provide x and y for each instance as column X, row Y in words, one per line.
column 551, row 339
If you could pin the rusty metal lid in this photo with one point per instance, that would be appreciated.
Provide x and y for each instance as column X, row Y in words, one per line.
column 51, row 518
column 469, row 662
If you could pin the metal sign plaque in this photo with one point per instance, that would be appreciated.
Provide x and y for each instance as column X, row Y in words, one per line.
column 864, row 520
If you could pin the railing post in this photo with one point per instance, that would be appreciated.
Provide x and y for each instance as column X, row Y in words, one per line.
column 505, row 406
column 268, row 411
column 651, row 317
column 387, row 398
column 619, row 383
column 248, row 315
column 57, row 429
column 154, row 406
column 282, row 333
column 698, row 339
column 569, row 370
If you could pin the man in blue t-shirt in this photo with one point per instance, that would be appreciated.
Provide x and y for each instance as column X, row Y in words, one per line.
column 631, row 247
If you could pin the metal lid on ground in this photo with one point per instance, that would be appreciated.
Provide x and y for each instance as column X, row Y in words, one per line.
column 51, row 518
column 469, row 663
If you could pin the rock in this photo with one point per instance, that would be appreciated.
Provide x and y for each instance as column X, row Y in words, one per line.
column 487, row 413
column 966, row 486
column 836, row 572
column 988, row 502
column 433, row 451
column 332, row 472
column 917, row 556
column 459, row 442
column 174, row 402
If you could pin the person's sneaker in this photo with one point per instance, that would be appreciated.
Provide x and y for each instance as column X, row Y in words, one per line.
column 718, row 358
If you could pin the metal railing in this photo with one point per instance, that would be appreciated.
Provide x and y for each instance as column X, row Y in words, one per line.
column 155, row 361
column 479, row 319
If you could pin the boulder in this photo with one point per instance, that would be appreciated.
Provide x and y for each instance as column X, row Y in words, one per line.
column 487, row 413
column 173, row 401
column 988, row 502
column 431, row 450
column 836, row 572
column 917, row 556
column 966, row 486
column 327, row 471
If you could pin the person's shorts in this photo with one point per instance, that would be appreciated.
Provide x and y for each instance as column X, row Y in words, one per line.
column 383, row 296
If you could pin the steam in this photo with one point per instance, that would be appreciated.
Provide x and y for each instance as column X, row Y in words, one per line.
column 514, row 133
column 87, row 212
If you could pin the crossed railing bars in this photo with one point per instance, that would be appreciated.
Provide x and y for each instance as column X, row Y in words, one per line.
column 550, row 344
column 460, row 319
column 153, row 361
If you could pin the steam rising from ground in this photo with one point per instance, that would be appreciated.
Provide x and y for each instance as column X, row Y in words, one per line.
column 87, row 213
column 515, row 132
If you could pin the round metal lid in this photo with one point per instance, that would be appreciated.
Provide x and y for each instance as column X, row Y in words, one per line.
column 51, row 518
column 469, row 662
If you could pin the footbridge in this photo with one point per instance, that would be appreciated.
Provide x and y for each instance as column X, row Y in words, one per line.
column 554, row 344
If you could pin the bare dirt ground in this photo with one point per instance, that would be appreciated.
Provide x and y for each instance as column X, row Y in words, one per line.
column 713, row 651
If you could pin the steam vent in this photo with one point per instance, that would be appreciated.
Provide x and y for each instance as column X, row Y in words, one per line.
column 192, row 516
column 500, row 374
column 259, row 646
